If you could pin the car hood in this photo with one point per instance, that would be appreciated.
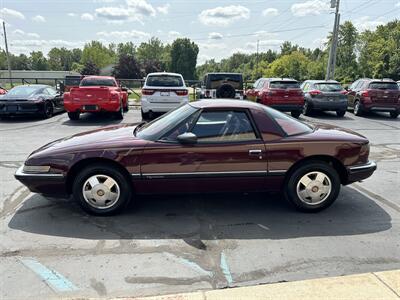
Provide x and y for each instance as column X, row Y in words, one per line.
column 116, row 136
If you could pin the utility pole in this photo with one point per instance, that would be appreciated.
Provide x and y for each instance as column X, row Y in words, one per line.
column 330, row 70
column 8, row 55
column 258, row 42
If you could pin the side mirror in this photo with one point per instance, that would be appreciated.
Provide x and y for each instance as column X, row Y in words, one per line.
column 187, row 138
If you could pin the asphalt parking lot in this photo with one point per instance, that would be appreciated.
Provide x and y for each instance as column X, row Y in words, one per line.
column 184, row 243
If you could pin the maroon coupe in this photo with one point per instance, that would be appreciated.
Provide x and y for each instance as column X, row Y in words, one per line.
column 204, row 146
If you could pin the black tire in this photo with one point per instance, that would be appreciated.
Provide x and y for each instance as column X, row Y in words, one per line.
column 126, row 107
column 48, row 110
column 119, row 115
column 226, row 91
column 145, row 116
column 394, row 114
column 340, row 113
column 73, row 115
column 307, row 110
column 293, row 180
column 357, row 108
column 122, row 185
column 295, row 113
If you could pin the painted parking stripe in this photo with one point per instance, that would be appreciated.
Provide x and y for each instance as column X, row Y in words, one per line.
column 190, row 264
column 52, row 278
column 225, row 269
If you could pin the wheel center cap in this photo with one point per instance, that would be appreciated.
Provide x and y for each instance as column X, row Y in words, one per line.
column 314, row 189
column 100, row 193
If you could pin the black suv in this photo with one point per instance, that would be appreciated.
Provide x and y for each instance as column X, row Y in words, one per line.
column 222, row 85
column 366, row 95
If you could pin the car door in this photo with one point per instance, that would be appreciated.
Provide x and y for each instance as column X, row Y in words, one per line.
column 229, row 156
column 56, row 98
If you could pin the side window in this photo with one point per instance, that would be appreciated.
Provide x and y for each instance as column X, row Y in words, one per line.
column 353, row 85
column 260, row 84
column 306, row 87
column 181, row 128
column 51, row 91
column 224, row 126
column 256, row 84
column 43, row 91
column 359, row 85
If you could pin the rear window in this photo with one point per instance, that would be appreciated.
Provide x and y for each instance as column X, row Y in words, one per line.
column 72, row 81
column 288, row 124
column 225, row 77
column 284, row 85
column 164, row 80
column 329, row 87
column 383, row 86
column 97, row 82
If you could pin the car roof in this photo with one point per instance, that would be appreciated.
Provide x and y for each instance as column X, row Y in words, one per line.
column 322, row 81
column 279, row 79
column 34, row 85
column 217, row 73
column 164, row 73
column 225, row 103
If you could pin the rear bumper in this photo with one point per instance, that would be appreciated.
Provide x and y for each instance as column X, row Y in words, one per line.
column 360, row 172
column 91, row 106
column 328, row 105
column 286, row 107
column 161, row 106
column 46, row 183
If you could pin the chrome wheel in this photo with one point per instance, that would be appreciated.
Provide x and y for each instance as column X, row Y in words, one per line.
column 314, row 188
column 101, row 191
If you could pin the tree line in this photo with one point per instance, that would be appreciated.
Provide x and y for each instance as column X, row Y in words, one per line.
column 371, row 53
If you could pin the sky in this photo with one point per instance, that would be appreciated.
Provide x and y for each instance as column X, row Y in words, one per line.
column 219, row 27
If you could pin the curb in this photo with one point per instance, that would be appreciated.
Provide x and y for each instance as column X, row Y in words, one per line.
column 375, row 285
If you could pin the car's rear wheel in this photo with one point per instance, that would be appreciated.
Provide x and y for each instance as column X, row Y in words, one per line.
column 126, row 107
column 48, row 110
column 357, row 108
column 295, row 113
column 313, row 186
column 307, row 110
column 340, row 113
column 73, row 115
column 145, row 116
column 119, row 115
column 394, row 114
column 102, row 190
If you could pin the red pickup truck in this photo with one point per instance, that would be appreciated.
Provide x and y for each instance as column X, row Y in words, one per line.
column 96, row 94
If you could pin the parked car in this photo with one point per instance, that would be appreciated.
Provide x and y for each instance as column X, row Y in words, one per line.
column 96, row 94
column 283, row 94
column 210, row 145
column 367, row 95
column 71, row 81
column 162, row 92
column 323, row 95
column 3, row 91
column 33, row 99
column 222, row 85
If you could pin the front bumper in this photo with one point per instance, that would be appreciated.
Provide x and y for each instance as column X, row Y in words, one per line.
column 20, row 108
column 360, row 172
column 51, row 184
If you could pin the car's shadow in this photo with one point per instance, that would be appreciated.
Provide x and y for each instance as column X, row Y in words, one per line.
column 330, row 115
column 380, row 116
column 27, row 118
column 89, row 119
column 204, row 217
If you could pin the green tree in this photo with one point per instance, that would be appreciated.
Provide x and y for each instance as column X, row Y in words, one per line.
column 184, row 57
column 37, row 61
column 293, row 65
column 127, row 67
column 346, row 59
column 20, row 62
column 90, row 68
column 98, row 54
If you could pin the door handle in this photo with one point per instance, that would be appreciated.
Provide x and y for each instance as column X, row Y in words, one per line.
column 256, row 152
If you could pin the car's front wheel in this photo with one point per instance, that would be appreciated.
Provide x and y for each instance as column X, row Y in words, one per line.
column 313, row 186
column 307, row 110
column 295, row 113
column 394, row 114
column 48, row 110
column 102, row 190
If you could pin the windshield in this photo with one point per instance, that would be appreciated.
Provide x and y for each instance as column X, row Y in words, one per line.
column 156, row 129
column 383, row 86
column 98, row 82
column 164, row 80
column 288, row 124
column 284, row 85
column 22, row 91
column 328, row 87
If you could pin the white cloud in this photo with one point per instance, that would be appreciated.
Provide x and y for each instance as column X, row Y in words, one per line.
column 72, row 15
column 39, row 19
column 103, row 1
column 365, row 23
column 87, row 17
column 141, row 7
column 46, row 43
column 173, row 34
column 123, row 35
column 397, row 4
column 21, row 33
column 7, row 12
column 264, row 44
column 113, row 13
column 312, row 7
column 270, row 12
column 164, row 9
column 215, row 36
column 223, row 16
column 265, row 34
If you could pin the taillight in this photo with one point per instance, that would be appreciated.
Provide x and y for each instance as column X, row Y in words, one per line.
column 315, row 92
column 344, row 92
column 365, row 94
column 147, row 92
column 181, row 92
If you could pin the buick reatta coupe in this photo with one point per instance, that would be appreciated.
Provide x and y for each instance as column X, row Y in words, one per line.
column 203, row 146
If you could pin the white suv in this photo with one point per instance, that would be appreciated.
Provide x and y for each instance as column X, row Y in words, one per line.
column 162, row 92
